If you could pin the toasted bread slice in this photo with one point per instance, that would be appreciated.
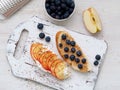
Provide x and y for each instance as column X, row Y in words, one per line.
column 82, row 64
column 47, row 61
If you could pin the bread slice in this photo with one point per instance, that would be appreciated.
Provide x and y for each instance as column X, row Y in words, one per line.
column 81, row 65
column 48, row 61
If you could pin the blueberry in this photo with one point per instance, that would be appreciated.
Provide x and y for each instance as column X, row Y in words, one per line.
column 40, row 26
column 57, row 17
column 63, row 37
column 41, row 35
column 53, row 15
column 97, row 57
column 66, row 56
column 66, row 49
column 48, row 11
column 63, row 6
column 59, row 13
column 77, row 60
column 48, row 39
column 80, row 66
column 63, row 1
column 73, row 50
column 53, row 8
column 69, row 2
column 71, row 10
column 60, row 45
column 68, row 42
column 72, row 5
column 66, row 15
column 47, row 5
column 96, row 63
column 52, row 4
column 73, row 43
column 57, row 2
column 72, row 57
column 58, row 8
column 83, row 60
column 79, row 53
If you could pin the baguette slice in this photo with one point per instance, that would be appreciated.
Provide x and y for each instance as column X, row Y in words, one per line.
column 48, row 61
column 82, row 66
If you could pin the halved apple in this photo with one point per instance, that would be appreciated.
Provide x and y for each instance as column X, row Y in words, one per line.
column 92, row 20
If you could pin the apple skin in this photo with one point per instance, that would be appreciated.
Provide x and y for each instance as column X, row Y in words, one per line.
column 92, row 20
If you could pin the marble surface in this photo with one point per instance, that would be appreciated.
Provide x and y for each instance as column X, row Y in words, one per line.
column 109, row 11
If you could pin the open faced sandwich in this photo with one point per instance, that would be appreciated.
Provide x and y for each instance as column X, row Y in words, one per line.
column 49, row 61
column 71, row 52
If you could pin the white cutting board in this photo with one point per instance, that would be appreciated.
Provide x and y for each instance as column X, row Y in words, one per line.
column 24, row 67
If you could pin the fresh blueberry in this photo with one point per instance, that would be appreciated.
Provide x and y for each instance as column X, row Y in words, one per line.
column 53, row 15
column 53, row 8
column 63, row 1
column 68, row 42
column 73, row 50
column 40, row 26
column 83, row 60
column 96, row 63
column 80, row 66
column 77, row 60
column 64, row 37
column 71, row 10
column 66, row 56
column 73, row 43
column 72, row 57
column 59, row 13
column 57, row 2
column 66, row 49
column 47, row 5
column 66, row 15
column 72, row 5
column 60, row 45
column 57, row 17
column 59, row 8
column 48, row 39
column 69, row 2
column 48, row 11
column 41, row 35
column 63, row 6
column 79, row 53
column 97, row 57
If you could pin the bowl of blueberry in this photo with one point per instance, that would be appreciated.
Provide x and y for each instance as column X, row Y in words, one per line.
column 60, row 9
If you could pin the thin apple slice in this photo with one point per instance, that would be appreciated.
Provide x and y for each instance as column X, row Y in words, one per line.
column 61, row 71
column 51, row 60
column 53, row 65
column 44, row 60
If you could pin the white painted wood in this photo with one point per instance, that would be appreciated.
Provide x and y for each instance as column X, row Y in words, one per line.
column 24, row 66
column 109, row 11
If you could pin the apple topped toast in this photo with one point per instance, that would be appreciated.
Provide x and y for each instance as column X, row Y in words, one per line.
column 49, row 61
column 71, row 52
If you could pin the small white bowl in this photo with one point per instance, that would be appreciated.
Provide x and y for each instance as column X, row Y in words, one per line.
column 58, row 19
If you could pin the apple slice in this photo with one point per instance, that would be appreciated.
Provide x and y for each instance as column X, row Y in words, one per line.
column 44, row 60
column 59, row 70
column 34, row 50
column 53, row 65
column 51, row 60
column 91, row 20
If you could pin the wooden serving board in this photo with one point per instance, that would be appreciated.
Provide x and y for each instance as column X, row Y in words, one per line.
column 22, row 65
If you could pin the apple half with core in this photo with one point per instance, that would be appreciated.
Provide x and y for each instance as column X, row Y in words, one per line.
column 91, row 20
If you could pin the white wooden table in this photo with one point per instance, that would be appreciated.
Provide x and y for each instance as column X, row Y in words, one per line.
column 109, row 11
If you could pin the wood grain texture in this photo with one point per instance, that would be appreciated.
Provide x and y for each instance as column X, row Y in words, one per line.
column 109, row 11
